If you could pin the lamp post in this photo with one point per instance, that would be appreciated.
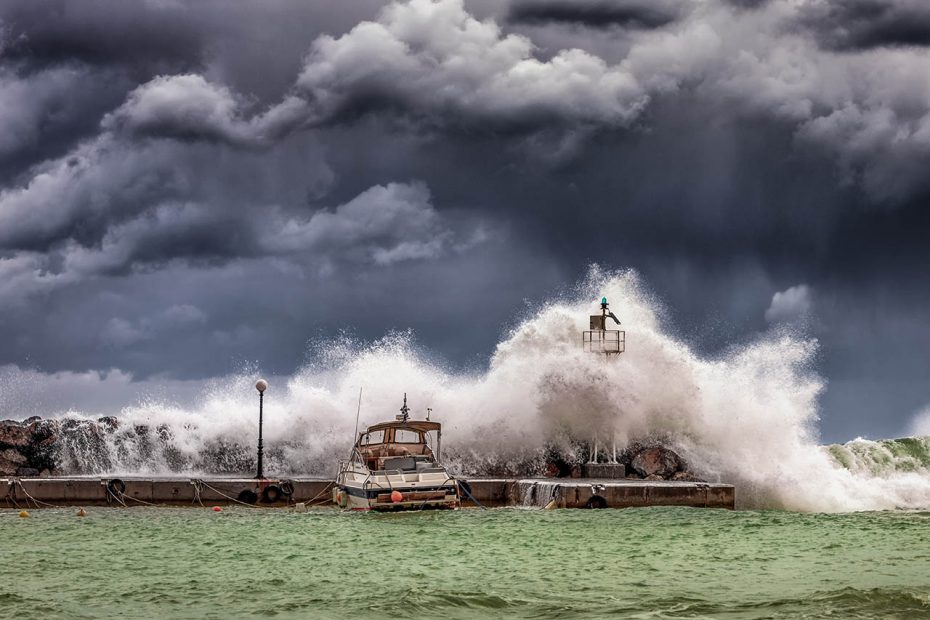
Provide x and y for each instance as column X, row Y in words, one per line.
column 261, row 385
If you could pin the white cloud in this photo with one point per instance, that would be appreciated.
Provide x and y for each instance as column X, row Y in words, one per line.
column 790, row 305
column 385, row 224
column 433, row 57
column 189, row 107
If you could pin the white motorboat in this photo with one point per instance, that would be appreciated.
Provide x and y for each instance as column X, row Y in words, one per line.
column 395, row 466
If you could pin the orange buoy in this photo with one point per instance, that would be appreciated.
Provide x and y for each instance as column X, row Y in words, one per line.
column 397, row 496
column 23, row 514
column 81, row 512
column 217, row 509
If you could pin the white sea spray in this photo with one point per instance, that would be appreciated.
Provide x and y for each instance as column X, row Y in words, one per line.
column 746, row 417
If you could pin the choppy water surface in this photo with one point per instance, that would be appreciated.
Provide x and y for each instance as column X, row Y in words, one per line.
column 641, row 563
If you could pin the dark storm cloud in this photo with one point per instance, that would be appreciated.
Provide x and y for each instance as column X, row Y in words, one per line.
column 747, row 4
column 851, row 25
column 184, row 187
column 408, row 62
column 53, row 32
column 596, row 14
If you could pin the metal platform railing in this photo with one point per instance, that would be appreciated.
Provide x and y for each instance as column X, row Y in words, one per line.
column 604, row 341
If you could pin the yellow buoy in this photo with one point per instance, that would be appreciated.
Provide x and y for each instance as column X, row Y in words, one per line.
column 81, row 512
column 23, row 514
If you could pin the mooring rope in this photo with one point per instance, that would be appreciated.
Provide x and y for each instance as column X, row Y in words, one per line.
column 198, row 486
column 34, row 500
column 325, row 489
column 110, row 494
column 11, row 492
column 136, row 499
column 470, row 496
column 232, row 499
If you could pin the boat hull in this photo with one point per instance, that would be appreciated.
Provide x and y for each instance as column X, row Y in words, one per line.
column 371, row 497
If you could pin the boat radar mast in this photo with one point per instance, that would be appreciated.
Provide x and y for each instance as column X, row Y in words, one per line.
column 404, row 411
column 599, row 339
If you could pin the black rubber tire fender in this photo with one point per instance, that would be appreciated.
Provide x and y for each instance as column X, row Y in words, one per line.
column 116, row 487
column 287, row 488
column 596, row 501
column 272, row 494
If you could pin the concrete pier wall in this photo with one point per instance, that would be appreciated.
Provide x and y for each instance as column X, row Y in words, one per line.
column 567, row 493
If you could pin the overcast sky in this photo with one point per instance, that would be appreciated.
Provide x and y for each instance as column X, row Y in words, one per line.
column 188, row 187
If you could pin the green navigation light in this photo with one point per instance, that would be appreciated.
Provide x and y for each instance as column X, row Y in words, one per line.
column 603, row 300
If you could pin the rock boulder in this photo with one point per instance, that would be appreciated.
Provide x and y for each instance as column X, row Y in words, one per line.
column 656, row 461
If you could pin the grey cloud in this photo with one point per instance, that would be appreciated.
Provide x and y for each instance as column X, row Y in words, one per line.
column 58, row 31
column 190, row 107
column 423, row 58
column 26, row 276
column 25, row 104
column 429, row 57
column 876, row 148
column 167, row 232
column 597, row 13
column 747, row 4
column 123, row 332
column 107, row 181
column 382, row 225
column 851, row 25
column 436, row 64
column 78, row 194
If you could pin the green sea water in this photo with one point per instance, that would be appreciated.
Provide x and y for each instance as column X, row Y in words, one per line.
column 637, row 563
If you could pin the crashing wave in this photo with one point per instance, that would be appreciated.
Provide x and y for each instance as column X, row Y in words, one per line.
column 747, row 417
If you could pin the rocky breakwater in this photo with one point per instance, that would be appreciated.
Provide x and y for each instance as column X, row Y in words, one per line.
column 660, row 463
column 81, row 446
column 29, row 448
column 638, row 461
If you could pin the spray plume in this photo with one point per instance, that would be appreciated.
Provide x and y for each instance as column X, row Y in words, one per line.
column 746, row 417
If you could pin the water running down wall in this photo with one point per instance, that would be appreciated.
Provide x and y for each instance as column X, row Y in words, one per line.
column 747, row 417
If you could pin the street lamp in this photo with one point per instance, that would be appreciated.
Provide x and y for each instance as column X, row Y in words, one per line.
column 261, row 385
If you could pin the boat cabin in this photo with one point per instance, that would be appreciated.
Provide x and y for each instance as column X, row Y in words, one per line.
column 403, row 445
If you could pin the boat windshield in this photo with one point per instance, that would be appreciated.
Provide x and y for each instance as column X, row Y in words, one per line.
column 372, row 438
column 406, row 436
column 376, row 448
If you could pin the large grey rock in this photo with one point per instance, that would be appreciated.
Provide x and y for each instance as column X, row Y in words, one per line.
column 15, row 435
column 12, row 456
column 657, row 461
column 32, row 445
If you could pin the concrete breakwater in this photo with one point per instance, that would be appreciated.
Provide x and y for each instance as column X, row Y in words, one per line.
column 566, row 493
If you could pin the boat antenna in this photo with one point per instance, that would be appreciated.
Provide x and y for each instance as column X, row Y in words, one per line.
column 404, row 411
column 357, row 413
column 429, row 410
